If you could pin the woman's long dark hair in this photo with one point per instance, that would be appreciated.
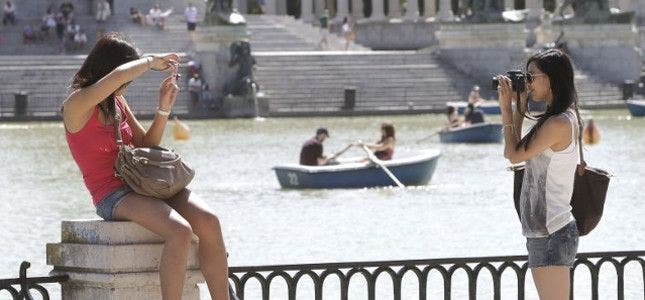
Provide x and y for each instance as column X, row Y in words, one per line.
column 388, row 128
column 110, row 51
column 557, row 66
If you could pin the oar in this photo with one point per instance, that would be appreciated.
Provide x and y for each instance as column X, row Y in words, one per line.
column 377, row 161
column 342, row 151
column 428, row 137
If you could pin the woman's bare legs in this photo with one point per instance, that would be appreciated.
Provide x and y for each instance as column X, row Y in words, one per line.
column 212, row 252
column 552, row 282
column 158, row 217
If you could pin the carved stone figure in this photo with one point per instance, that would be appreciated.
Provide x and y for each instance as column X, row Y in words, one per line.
column 242, row 84
column 221, row 12
column 485, row 11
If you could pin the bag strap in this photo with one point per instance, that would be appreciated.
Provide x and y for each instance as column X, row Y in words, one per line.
column 117, row 124
column 583, row 163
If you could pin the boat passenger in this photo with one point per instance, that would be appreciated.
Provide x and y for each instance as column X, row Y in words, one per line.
column 453, row 119
column 383, row 149
column 311, row 153
column 473, row 115
column 474, row 97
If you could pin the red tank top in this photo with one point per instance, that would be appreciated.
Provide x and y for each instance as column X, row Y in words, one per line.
column 94, row 149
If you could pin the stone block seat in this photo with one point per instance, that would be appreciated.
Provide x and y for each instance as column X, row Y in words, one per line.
column 114, row 260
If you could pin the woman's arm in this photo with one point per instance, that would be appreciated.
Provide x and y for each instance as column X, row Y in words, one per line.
column 81, row 101
column 152, row 137
column 380, row 146
column 552, row 133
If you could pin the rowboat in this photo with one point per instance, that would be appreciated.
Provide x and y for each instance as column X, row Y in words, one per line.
column 415, row 169
column 636, row 107
column 488, row 107
column 476, row 133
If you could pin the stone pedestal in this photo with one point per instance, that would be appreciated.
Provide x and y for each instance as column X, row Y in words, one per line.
column 391, row 35
column 212, row 45
column 483, row 50
column 609, row 51
column 114, row 260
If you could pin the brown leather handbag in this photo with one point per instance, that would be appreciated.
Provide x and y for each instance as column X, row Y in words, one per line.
column 155, row 171
column 589, row 191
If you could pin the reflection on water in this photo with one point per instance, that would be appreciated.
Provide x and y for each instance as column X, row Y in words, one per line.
column 465, row 211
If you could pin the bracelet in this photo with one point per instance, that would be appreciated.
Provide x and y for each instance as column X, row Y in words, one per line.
column 162, row 112
column 508, row 125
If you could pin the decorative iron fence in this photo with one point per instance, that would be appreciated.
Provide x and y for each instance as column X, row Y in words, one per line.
column 396, row 270
column 27, row 284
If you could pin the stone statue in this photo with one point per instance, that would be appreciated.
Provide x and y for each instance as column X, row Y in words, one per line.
column 221, row 12
column 593, row 11
column 486, row 11
column 244, row 81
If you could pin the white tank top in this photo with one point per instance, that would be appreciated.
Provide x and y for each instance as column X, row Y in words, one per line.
column 548, row 186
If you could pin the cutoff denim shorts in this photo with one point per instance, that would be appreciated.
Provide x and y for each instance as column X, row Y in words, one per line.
column 557, row 249
column 105, row 208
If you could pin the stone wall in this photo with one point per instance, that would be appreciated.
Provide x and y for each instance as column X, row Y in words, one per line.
column 483, row 50
column 396, row 34
column 609, row 51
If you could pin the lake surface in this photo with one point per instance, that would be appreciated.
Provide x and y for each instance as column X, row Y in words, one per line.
column 465, row 211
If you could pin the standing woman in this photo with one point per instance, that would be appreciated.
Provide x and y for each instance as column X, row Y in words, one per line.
column 383, row 149
column 88, row 114
column 551, row 155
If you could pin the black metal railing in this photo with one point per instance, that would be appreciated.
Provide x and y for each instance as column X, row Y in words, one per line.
column 371, row 271
column 27, row 284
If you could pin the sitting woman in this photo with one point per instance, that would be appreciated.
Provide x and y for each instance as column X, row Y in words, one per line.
column 89, row 114
column 383, row 149
column 453, row 119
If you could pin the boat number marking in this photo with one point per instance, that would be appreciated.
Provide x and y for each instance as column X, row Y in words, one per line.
column 293, row 178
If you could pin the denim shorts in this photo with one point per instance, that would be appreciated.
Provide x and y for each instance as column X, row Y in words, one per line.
column 557, row 249
column 105, row 208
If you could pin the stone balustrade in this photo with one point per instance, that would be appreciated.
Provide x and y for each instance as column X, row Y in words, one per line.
column 114, row 260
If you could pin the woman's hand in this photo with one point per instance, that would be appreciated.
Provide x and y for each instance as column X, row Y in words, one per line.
column 168, row 93
column 505, row 92
column 164, row 62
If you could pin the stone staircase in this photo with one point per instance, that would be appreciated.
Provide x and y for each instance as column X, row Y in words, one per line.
column 46, row 80
column 148, row 39
column 285, row 33
column 299, row 83
column 595, row 93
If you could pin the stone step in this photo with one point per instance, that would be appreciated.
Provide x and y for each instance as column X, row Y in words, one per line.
column 114, row 258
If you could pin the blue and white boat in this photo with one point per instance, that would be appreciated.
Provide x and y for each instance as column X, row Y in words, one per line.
column 410, row 170
column 636, row 107
column 488, row 107
column 476, row 133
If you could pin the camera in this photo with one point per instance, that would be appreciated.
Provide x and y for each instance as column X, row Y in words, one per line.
column 518, row 81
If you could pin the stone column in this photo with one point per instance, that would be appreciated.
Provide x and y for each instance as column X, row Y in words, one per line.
column 535, row 9
column 270, row 7
column 445, row 11
column 241, row 6
column 357, row 10
column 429, row 8
column 394, row 10
column 377, row 10
column 319, row 8
column 640, row 13
column 342, row 9
column 114, row 260
column 306, row 8
column 412, row 11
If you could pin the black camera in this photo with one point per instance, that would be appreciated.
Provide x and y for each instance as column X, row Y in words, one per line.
column 518, row 80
